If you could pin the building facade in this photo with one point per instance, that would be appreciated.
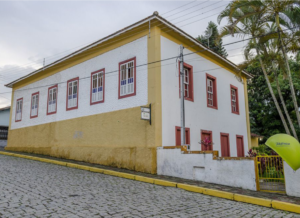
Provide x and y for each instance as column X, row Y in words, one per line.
column 4, row 123
column 86, row 106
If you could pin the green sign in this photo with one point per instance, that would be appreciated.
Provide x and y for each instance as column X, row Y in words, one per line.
column 286, row 147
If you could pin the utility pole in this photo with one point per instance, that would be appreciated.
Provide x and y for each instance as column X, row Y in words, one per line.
column 182, row 96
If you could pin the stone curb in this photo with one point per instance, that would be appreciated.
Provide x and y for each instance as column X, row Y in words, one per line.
column 216, row 193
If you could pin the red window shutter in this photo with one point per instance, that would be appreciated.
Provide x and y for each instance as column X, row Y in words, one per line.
column 240, row 146
column 178, row 135
column 225, row 146
column 188, row 78
column 234, row 97
column 211, row 91
column 206, row 134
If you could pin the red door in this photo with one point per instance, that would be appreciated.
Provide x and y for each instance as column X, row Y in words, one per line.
column 178, row 136
column 240, row 145
column 225, row 149
column 206, row 134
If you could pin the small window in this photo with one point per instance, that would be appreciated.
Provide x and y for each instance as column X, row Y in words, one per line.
column 178, row 136
column 52, row 100
column 234, row 99
column 97, row 86
column 188, row 82
column 127, row 78
column 211, row 88
column 34, row 105
column 72, row 94
column 19, row 109
column 206, row 136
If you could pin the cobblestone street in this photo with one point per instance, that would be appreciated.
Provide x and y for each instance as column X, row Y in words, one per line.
column 35, row 189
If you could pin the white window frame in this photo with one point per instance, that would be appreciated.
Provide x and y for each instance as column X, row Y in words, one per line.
column 34, row 107
column 233, row 99
column 127, row 78
column 97, row 92
column 186, row 82
column 72, row 99
column 52, row 102
column 19, row 109
column 210, row 91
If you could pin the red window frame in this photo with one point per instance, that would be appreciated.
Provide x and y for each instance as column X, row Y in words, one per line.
column 134, row 79
column 21, row 109
column 215, row 93
column 54, row 112
column 97, row 102
column 237, row 99
column 37, row 113
column 71, row 80
column 237, row 147
column 191, row 81
column 178, row 135
column 227, row 135
column 202, row 138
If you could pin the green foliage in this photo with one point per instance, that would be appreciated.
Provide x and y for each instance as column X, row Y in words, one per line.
column 263, row 150
column 214, row 43
column 264, row 118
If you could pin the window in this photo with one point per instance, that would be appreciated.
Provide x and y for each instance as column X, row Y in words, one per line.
column 72, row 94
column 240, row 145
column 34, row 105
column 234, row 99
column 178, row 136
column 211, row 88
column 52, row 100
column 225, row 145
column 19, row 108
column 188, row 82
column 127, row 78
column 97, row 86
column 206, row 135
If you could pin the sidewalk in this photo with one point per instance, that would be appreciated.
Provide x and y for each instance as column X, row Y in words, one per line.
column 263, row 195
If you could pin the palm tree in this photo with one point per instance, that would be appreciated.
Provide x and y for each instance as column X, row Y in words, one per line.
column 240, row 23
column 284, row 13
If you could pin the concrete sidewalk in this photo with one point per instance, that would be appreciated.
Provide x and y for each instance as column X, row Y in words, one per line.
column 238, row 191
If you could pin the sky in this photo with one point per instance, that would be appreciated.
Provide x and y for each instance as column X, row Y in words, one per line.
column 33, row 30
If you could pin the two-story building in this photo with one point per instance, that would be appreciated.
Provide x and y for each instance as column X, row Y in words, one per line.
column 86, row 106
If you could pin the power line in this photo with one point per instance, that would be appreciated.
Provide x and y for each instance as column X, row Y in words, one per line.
column 132, row 35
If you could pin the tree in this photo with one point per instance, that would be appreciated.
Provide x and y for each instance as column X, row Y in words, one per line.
column 214, row 44
column 240, row 24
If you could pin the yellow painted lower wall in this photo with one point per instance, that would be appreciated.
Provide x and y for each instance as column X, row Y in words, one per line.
column 118, row 138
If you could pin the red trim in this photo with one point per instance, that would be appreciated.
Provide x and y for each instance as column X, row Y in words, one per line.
column 55, row 86
column 178, row 138
column 97, row 102
column 202, row 138
column 37, row 114
column 123, row 62
column 237, row 147
column 228, row 142
column 237, row 99
column 191, row 88
column 21, row 110
column 72, row 108
column 215, row 96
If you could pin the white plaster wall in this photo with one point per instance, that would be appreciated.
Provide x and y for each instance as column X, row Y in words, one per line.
column 198, row 115
column 292, row 181
column 110, row 61
column 202, row 167
column 4, row 117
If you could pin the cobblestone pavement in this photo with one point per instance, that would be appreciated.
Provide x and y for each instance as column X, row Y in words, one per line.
column 35, row 189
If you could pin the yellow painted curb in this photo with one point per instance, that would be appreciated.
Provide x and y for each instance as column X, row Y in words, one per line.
column 190, row 188
column 83, row 167
column 144, row 179
column 126, row 175
column 286, row 206
column 217, row 193
column 253, row 200
column 96, row 170
column 164, row 183
column 72, row 165
column 110, row 172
